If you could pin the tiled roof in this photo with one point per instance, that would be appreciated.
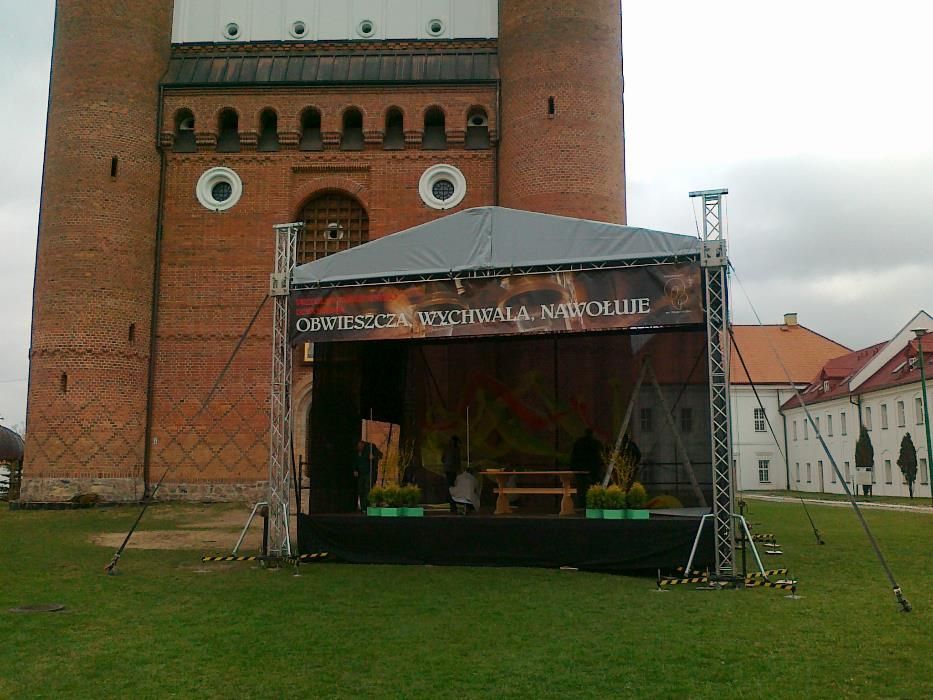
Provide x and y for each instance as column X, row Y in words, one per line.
column 802, row 351
column 833, row 380
column 225, row 69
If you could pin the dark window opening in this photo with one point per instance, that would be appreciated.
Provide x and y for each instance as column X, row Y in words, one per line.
column 435, row 130
column 334, row 222
column 131, row 336
column 228, row 132
column 394, row 138
column 352, row 139
column 477, row 130
column 64, row 383
column 268, row 131
column 114, row 166
column 311, row 138
column 551, row 106
column 184, row 132
column 443, row 190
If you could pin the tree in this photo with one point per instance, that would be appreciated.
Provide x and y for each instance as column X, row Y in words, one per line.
column 865, row 455
column 907, row 461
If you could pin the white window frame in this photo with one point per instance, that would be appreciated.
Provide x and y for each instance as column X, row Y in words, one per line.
column 924, row 470
column 829, row 424
column 809, row 473
column 795, row 431
column 884, row 416
column 760, row 421
column 843, row 425
column 901, row 409
column 764, row 471
column 918, row 407
column 888, row 473
column 867, row 414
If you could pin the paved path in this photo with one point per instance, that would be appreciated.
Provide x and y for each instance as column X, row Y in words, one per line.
column 868, row 505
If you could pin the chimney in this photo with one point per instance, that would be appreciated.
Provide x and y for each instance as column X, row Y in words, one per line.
column 790, row 319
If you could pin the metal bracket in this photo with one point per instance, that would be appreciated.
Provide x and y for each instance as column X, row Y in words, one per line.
column 714, row 254
column 279, row 284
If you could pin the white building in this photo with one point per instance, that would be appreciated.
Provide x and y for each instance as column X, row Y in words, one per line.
column 770, row 354
column 878, row 387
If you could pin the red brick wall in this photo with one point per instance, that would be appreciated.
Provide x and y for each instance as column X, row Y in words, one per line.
column 96, row 241
column 570, row 164
column 215, row 266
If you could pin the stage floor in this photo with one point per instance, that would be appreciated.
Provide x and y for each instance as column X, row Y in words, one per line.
column 611, row 546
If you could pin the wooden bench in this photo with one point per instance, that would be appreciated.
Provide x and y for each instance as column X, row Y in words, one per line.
column 566, row 490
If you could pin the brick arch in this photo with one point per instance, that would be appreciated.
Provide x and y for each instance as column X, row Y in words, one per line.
column 257, row 115
column 465, row 116
column 227, row 108
column 350, row 107
column 318, row 186
column 305, row 110
column 179, row 111
column 429, row 108
column 324, row 209
column 394, row 107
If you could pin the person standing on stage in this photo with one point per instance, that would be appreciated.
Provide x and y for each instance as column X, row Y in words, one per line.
column 365, row 468
column 451, row 462
column 586, row 456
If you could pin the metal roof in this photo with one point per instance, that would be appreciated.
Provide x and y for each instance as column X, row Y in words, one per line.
column 11, row 446
column 225, row 69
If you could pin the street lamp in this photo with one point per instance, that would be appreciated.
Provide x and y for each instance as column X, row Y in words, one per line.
column 920, row 332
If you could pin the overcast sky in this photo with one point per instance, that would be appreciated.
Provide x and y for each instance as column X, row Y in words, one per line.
column 817, row 115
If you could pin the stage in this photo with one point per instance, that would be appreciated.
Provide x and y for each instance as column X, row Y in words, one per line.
column 606, row 546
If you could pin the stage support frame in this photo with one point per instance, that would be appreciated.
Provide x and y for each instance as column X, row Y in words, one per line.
column 278, row 544
column 715, row 262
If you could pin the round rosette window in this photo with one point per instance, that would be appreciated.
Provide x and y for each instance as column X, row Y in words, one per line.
column 366, row 28
column 436, row 27
column 443, row 187
column 219, row 189
column 232, row 31
column 299, row 30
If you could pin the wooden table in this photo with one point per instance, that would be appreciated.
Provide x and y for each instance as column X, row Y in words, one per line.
column 566, row 488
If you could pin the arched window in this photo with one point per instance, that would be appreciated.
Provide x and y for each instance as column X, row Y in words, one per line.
column 334, row 222
column 228, row 132
column 184, row 132
column 435, row 130
column 352, row 139
column 395, row 130
column 311, row 139
column 477, row 129
column 268, row 131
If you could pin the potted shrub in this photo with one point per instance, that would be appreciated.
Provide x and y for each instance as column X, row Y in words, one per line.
column 411, row 500
column 636, row 501
column 377, row 499
column 614, row 503
column 595, row 500
column 393, row 502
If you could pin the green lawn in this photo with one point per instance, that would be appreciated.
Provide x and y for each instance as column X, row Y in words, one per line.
column 811, row 496
column 162, row 629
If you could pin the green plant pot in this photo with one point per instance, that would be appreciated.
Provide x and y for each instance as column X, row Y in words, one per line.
column 639, row 514
column 613, row 514
column 391, row 512
column 374, row 510
column 594, row 513
column 412, row 512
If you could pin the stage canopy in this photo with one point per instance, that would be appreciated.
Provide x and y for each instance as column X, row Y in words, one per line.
column 499, row 272
column 494, row 239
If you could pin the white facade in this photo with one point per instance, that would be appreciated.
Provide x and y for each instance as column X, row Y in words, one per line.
column 889, row 414
column 243, row 21
column 757, row 457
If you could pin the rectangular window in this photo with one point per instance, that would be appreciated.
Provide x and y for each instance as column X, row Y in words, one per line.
column 829, row 425
column 884, row 416
column 867, row 418
column 686, row 420
column 798, row 472
column 848, row 469
column 888, row 476
column 795, row 431
column 764, row 471
column 759, row 420
column 874, row 477
column 832, row 475
column 918, row 407
column 842, row 424
column 809, row 473
column 924, row 471
column 901, row 414
column 816, row 425
column 647, row 425
column 806, row 429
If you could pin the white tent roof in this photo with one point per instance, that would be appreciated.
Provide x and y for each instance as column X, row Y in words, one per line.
column 494, row 238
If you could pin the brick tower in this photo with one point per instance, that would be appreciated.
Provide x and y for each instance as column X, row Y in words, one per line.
column 360, row 119
column 93, row 298
column 563, row 149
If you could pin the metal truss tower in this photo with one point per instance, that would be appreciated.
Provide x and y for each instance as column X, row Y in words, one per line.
column 279, row 541
column 715, row 263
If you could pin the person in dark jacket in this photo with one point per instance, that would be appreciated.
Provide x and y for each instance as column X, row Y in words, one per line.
column 587, row 456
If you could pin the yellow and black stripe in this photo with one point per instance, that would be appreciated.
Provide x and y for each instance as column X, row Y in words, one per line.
column 779, row 585
column 229, row 558
column 303, row 559
column 766, row 574
column 682, row 581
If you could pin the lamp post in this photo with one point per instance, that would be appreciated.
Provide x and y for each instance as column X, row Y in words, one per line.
column 920, row 332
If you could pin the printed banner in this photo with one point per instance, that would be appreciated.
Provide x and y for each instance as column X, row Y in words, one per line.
column 562, row 302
